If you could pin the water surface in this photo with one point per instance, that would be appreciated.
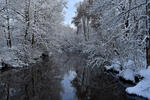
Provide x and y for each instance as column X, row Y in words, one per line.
column 62, row 77
column 69, row 91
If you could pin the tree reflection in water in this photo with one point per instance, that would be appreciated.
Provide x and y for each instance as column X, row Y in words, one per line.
column 40, row 82
column 63, row 77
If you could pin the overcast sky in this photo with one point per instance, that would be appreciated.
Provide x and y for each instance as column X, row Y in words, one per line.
column 70, row 11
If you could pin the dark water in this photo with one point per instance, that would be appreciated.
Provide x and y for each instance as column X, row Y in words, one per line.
column 63, row 77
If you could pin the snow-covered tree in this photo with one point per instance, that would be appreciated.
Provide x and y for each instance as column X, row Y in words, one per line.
column 118, row 26
column 29, row 26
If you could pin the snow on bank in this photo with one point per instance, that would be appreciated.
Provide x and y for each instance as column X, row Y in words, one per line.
column 9, row 56
column 116, row 66
column 14, row 57
column 125, row 71
column 128, row 75
column 143, row 87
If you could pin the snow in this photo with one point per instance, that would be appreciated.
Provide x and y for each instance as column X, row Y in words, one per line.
column 116, row 66
column 109, row 67
column 128, row 75
column 9, row 56
column 145, row 73
column 16, row 58
column 143, row 87
column 126, row 70
column 129, row 64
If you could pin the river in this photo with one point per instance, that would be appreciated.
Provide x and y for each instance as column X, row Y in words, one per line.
column 61, row 77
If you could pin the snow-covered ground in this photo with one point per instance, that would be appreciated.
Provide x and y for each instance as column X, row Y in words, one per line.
column 126, row 70
column 143, row 87
column 128, row 73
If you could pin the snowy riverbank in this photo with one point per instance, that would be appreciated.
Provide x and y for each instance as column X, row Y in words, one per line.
column 14, row 57
column 140, row 77
column 143, row 87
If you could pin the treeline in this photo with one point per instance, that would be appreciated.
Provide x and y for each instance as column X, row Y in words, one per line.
column 118, row 29
column 29, row 26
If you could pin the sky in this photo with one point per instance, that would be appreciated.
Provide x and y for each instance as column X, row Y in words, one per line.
column 70, row 11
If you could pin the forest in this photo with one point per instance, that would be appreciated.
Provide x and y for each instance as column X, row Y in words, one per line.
column 104, row 56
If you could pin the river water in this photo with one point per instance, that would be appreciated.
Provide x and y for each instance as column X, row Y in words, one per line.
column 62, row 77
column 69, row 91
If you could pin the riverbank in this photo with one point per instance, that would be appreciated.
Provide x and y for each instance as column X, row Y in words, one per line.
column 140, row 80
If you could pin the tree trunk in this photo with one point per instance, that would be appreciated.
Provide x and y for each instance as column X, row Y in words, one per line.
column 26, row 92
column 27, row 17
column 33, row 40
column 7, row 86
column 35, row 20
column 8, row 27
column 87, row 22
column 148, row 33
column 84, row 28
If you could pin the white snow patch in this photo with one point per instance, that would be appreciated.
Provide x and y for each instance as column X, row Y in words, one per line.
column 116, row 66
column 143, row 87
column 145, row 73
column 109, row 67
column 128, row 75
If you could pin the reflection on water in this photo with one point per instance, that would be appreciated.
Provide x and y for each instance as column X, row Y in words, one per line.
column 69, row 91
column 61, row 78
column 38, row 82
